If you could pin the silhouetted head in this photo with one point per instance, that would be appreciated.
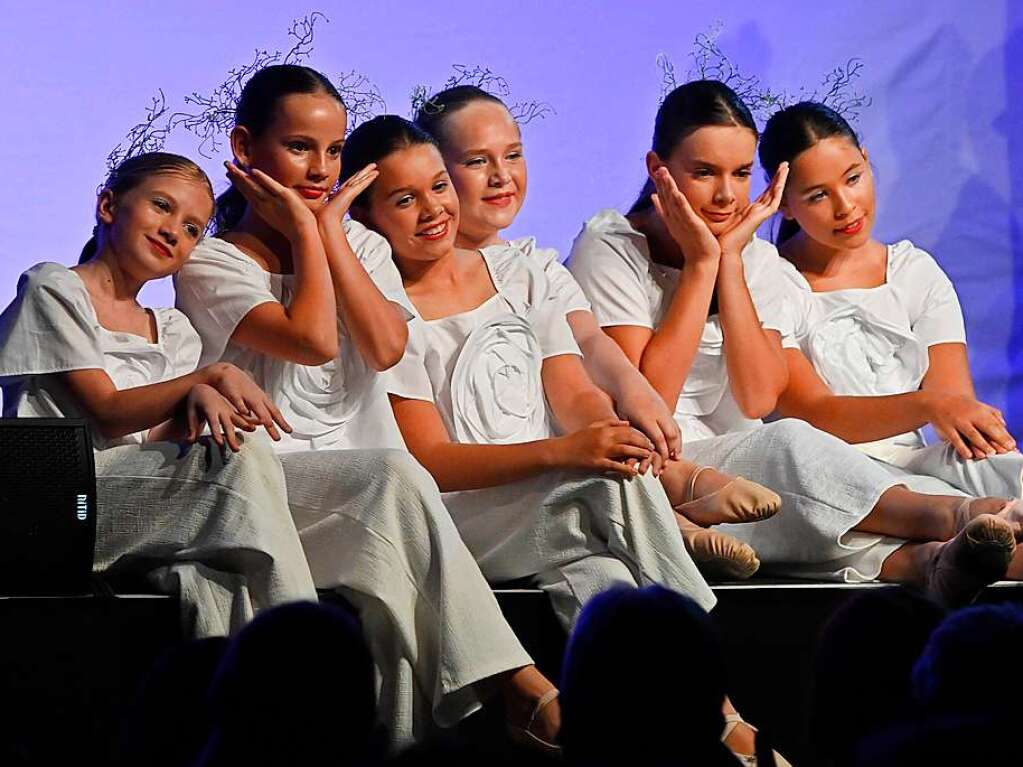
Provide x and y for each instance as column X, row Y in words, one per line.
column 643, row 678
column 966, row 667
column 863, row 665
column 296, row 687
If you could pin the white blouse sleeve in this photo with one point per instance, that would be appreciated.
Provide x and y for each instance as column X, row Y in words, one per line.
column 938, row 317
column 374, row 253
column 215, row 289
column 612, row 279
column 50, row 327
column 563, row 285
column 183, row 345
column 409, row 378
column 771, row 291
column 554, row 334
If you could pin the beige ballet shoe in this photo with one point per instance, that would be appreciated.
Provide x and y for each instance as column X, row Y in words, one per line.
column 732, row 721
column 525, row 736
column 738, row 501
column 718, row 555
column 1011, row 510
column 979, row 555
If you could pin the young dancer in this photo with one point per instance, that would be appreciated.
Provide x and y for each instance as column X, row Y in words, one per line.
column 208, row 524
column 694, row 300
column 313, row 310
column 484, row 154
column 882, row 343
column 488, row 350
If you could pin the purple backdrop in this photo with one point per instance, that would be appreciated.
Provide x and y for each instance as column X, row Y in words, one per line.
column 945, row 129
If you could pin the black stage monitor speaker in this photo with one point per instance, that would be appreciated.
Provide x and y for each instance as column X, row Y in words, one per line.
column 47, row 506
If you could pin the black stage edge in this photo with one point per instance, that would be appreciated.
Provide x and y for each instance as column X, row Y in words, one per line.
column 770, row 631
column 71, row 666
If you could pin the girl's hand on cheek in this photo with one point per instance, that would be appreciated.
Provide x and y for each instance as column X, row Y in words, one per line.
column 278, row 206
column 338, row 205
column 688, row 230
column 765, row 206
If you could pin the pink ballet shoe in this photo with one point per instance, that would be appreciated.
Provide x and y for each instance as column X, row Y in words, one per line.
column 978, row 556
column 732, row 721
column 524, row 735
column 1011, row 511
column 738, row 501
column 718, row 555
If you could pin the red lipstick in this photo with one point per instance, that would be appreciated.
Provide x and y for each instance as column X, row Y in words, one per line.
column 158, row 248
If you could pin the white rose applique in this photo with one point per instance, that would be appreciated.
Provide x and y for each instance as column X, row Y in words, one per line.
column 496, row 390
column 859, row 353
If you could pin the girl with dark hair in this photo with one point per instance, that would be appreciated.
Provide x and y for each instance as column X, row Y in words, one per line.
column 484, row 154
column 697, row 302
column 489, row 348
column 313, row 308
column 162, row 510
column 881, row 339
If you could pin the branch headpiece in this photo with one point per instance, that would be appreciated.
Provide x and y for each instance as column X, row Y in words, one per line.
column 523, row 112
column 210, row 116
column 711, row 63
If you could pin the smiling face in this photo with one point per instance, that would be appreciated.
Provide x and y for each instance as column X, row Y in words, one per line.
column 301, row 147
column 830, row 194
column 413, row 204
column 152, row 228
column 712, row 168
column 483, row 153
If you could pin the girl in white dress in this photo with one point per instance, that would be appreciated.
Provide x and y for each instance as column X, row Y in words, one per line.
column 483, row 151
column 488, row 349
column 881, row 339
column 696, row 302
column 203, row 522
column 313, row 309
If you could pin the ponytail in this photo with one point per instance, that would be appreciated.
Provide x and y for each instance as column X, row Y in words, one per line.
column 230, row 209
column 90, row 247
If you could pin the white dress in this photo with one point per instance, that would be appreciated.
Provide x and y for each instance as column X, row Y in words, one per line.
column 572, row 534
column 875, row 342
column 370, row 517
column 827, row 487
column 209, row 525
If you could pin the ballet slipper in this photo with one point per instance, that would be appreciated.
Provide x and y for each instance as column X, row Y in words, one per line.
column 979, row 555
column 738, row 501
column 733, row 720
column 718, row 555
column 524, row 735
column 1011, row 511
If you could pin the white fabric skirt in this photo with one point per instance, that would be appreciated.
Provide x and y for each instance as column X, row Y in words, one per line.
column 827, row 487
column 206, row 524
column 1000, row 476
column 375, row 530
column 576, row 535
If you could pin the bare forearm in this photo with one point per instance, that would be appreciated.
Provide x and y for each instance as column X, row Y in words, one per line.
column 756, row 365
column 312, row 308
column 860, row 419
column 669, row 355
column 377, row 328
column 457, row 466
column 116, row 413
column 606, row 364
